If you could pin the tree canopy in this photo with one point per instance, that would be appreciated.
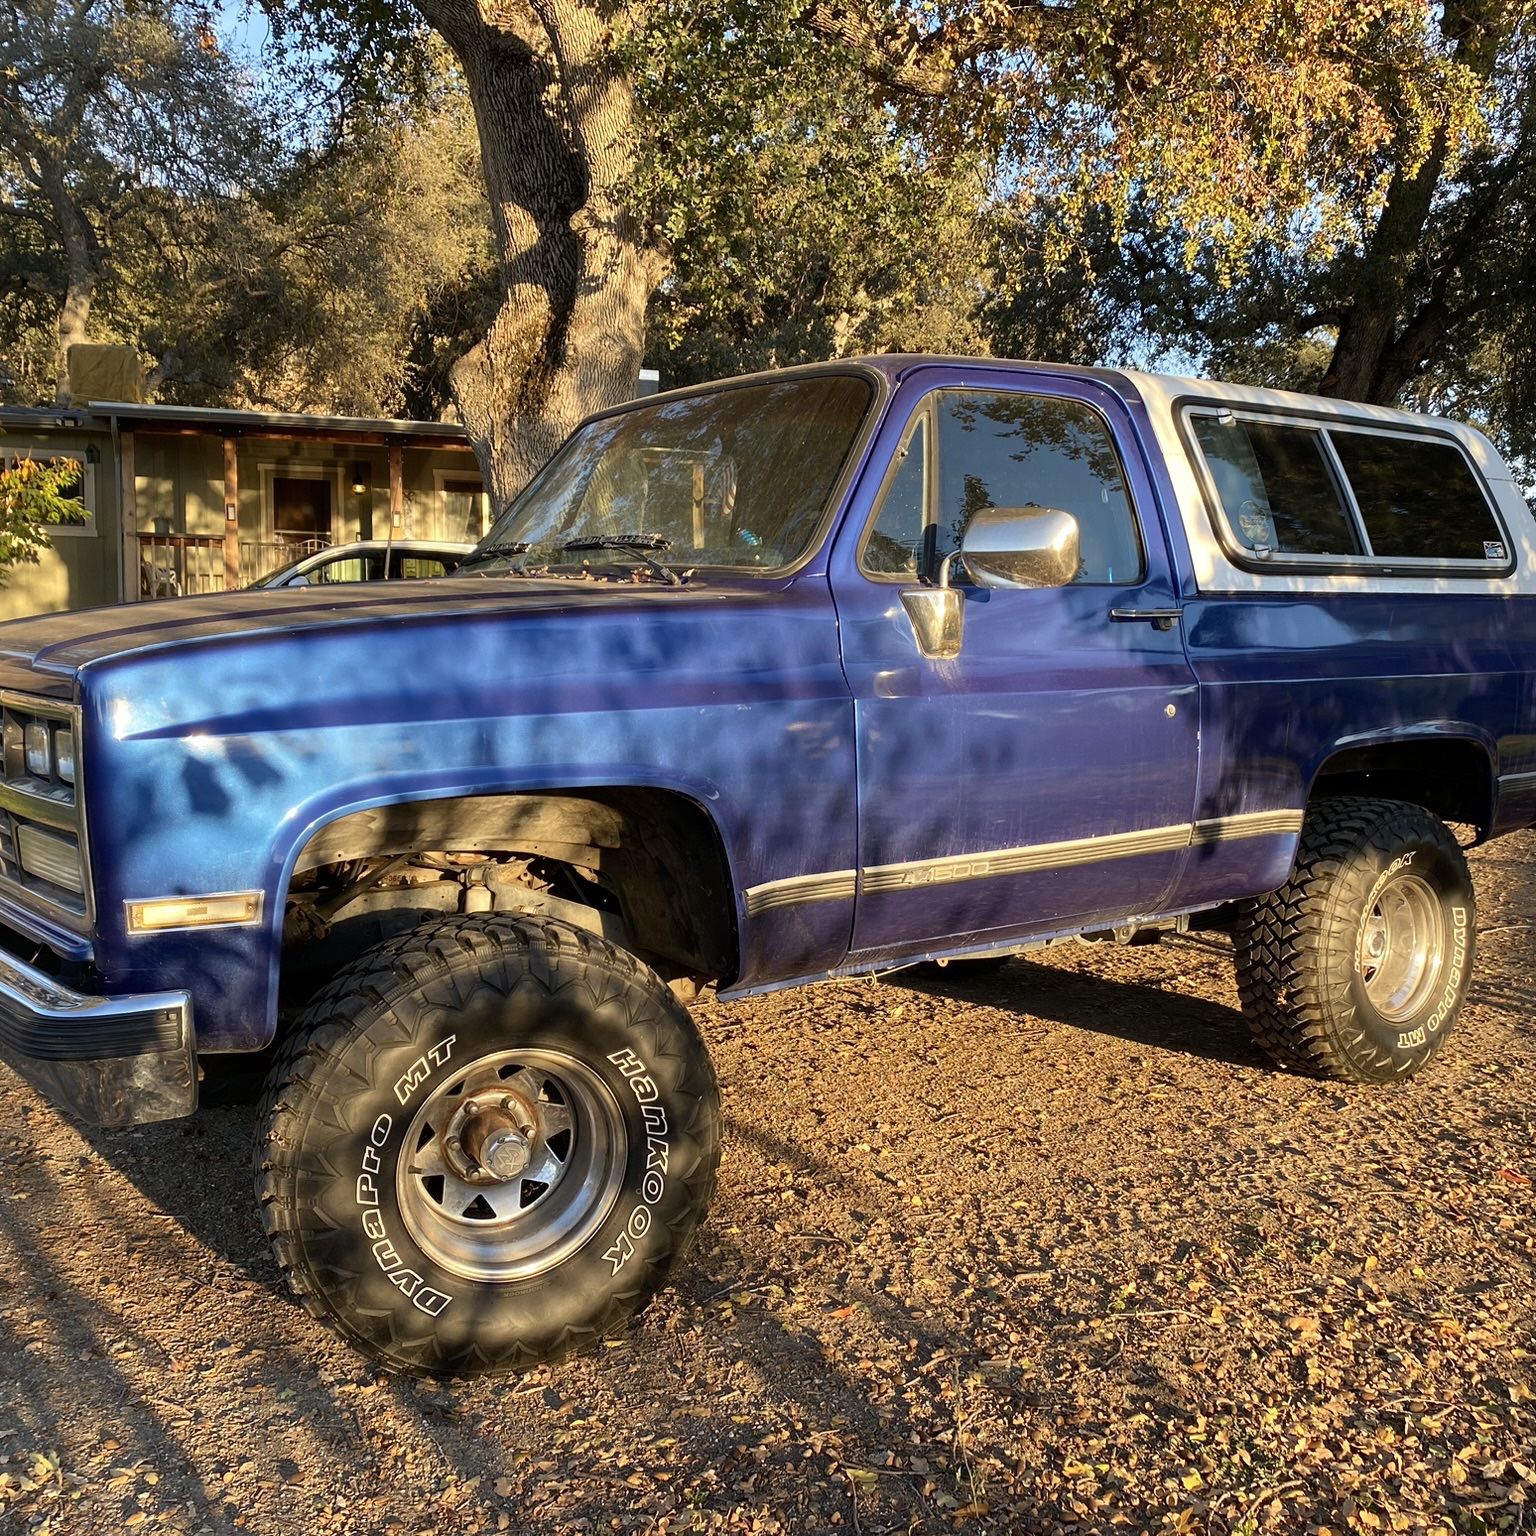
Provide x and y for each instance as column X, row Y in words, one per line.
column 430, row 205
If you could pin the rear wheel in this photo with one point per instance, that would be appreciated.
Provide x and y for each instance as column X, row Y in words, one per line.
column 1358, row 967
column 486, row 1145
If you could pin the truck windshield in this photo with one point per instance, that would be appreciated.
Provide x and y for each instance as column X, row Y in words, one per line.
column 736, row 477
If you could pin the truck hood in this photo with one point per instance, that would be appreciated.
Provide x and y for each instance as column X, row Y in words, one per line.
column 61, row 644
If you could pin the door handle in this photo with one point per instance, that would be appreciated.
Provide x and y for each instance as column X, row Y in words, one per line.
column 1158, row 618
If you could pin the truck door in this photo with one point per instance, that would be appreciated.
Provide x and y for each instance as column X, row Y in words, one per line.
column 1045, row 777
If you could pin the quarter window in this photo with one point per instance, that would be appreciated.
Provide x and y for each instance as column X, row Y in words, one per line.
column 999, row 449
column 1343, row 493
column 1276, row 487
column 895, row 546
column 1418, row 498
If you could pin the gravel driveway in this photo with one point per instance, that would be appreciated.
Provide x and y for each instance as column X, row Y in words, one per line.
column 1049, row 1250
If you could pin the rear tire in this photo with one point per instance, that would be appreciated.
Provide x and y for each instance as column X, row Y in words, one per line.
column 486, row 1145
column 1358, row 967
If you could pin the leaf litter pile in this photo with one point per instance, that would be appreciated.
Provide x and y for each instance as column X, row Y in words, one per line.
column 1044, row 1251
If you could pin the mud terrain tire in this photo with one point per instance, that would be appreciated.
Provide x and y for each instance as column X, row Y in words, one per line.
column 1358, row 967
column 588, row 1094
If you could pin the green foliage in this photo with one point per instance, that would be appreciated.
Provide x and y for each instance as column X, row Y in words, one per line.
column 1228, row 120
column 360, row 275
column 1431, row 301
column 33, row 500
column 291, row 241
column 115, row 118
column 1204, row 186
column 800, row 219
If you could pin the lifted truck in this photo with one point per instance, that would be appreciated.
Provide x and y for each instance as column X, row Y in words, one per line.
column 828, row 671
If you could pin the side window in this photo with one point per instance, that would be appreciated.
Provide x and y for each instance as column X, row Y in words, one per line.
column 1418, row 498
column 998, row 449
column 1013, row 450
column 1280, row 492
column 418, row 567
column 1277, row 491
column 895, row 545
column 348, row 568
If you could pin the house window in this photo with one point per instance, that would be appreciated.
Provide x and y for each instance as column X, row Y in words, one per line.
column 81, row 488
column 463, row 508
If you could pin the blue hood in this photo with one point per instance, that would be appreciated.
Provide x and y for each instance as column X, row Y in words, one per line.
column 61, row 644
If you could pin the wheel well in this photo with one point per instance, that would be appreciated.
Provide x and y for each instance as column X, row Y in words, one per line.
column 645, row 867
column 1453, row 777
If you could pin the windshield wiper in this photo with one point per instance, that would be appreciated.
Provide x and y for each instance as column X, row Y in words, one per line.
column 636, row 544
column 496, row 552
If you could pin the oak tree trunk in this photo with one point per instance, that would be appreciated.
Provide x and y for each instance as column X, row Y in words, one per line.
column 1378, row 349
column 1397, row 314
column 82, row 267
column 555, row 114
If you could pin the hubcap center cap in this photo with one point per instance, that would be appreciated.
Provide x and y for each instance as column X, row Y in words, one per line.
column 504, row 1153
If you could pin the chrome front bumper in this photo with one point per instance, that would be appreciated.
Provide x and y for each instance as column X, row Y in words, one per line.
column 111, row 1061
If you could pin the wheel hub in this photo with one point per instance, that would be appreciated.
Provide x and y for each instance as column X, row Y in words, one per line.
column 491, row 1136
column 511, row 1164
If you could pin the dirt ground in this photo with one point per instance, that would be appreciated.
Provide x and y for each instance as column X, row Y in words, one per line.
column 1050, row 1250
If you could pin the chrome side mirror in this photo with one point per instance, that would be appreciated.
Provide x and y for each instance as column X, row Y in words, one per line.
column 937, row 616
column 1021, row 547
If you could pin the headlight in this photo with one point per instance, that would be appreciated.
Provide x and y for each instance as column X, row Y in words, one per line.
column 64, row 754
column 54, row 859
column 39, row 751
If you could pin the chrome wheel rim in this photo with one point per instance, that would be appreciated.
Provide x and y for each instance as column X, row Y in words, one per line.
column 1402, row 947
column 568, row 1129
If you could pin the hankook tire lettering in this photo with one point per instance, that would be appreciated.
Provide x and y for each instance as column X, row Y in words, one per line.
column 657, row 1153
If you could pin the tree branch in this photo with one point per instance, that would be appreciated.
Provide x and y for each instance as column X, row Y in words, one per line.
column 901, row 60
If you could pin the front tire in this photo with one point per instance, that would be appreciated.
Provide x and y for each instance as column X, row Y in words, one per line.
column 1358, row 967
column 486, row 1144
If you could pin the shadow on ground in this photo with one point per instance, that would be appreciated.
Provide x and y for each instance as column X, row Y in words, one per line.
column 1127, row 1010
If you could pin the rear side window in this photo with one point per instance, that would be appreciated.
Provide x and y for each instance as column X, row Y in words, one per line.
column 1291, row 489
column 1277, row 487
column 1418, row 498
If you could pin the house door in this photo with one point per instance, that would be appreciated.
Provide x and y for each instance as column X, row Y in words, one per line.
column 301, row 510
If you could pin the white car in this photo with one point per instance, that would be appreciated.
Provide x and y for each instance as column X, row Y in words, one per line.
column 371, row 560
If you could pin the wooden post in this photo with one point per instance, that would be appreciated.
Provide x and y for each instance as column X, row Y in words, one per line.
column 396, row 490
column 128, row 515
column 231, row 516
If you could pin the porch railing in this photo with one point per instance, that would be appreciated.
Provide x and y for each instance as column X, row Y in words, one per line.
column 188, row 564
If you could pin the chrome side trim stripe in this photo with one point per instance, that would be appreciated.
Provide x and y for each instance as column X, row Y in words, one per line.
column 1516, row 780
column 835, row 885
column 1024, row 861
column 1250, row 824
column 842, row 884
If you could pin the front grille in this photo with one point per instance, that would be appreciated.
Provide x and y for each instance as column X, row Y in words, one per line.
column 41, row 834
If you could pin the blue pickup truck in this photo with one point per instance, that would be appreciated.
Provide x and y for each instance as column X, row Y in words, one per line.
column 833, row 670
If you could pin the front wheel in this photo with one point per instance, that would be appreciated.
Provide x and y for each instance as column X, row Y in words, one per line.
column 486, row 1144
column 1358, row 967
